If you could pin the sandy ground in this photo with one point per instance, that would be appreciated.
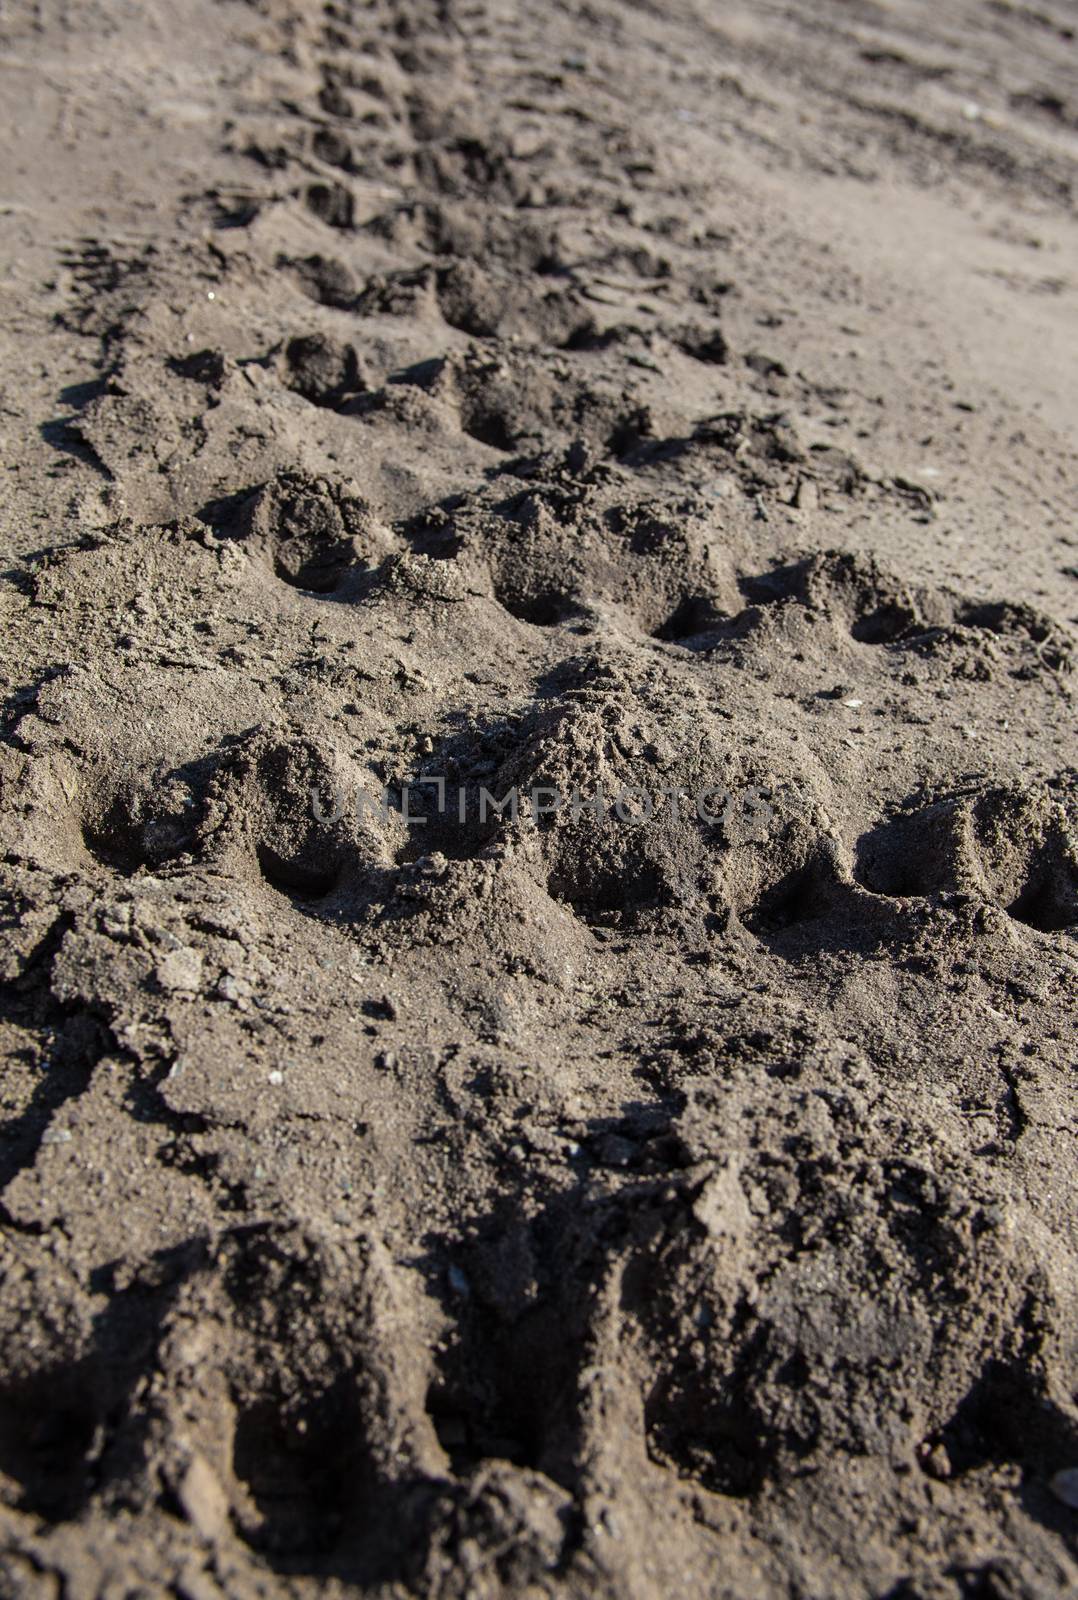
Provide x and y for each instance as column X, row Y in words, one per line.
column 537, row 799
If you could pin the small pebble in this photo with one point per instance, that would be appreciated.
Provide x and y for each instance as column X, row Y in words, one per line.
column 203, row 1500
column 1065, row 1487
column 180, row 971
column 236, row 990
column 937, row 1463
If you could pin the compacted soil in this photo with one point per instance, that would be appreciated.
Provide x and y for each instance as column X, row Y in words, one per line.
column 537, row 798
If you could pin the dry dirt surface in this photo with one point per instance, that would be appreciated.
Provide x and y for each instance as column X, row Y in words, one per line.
column 421, row 401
